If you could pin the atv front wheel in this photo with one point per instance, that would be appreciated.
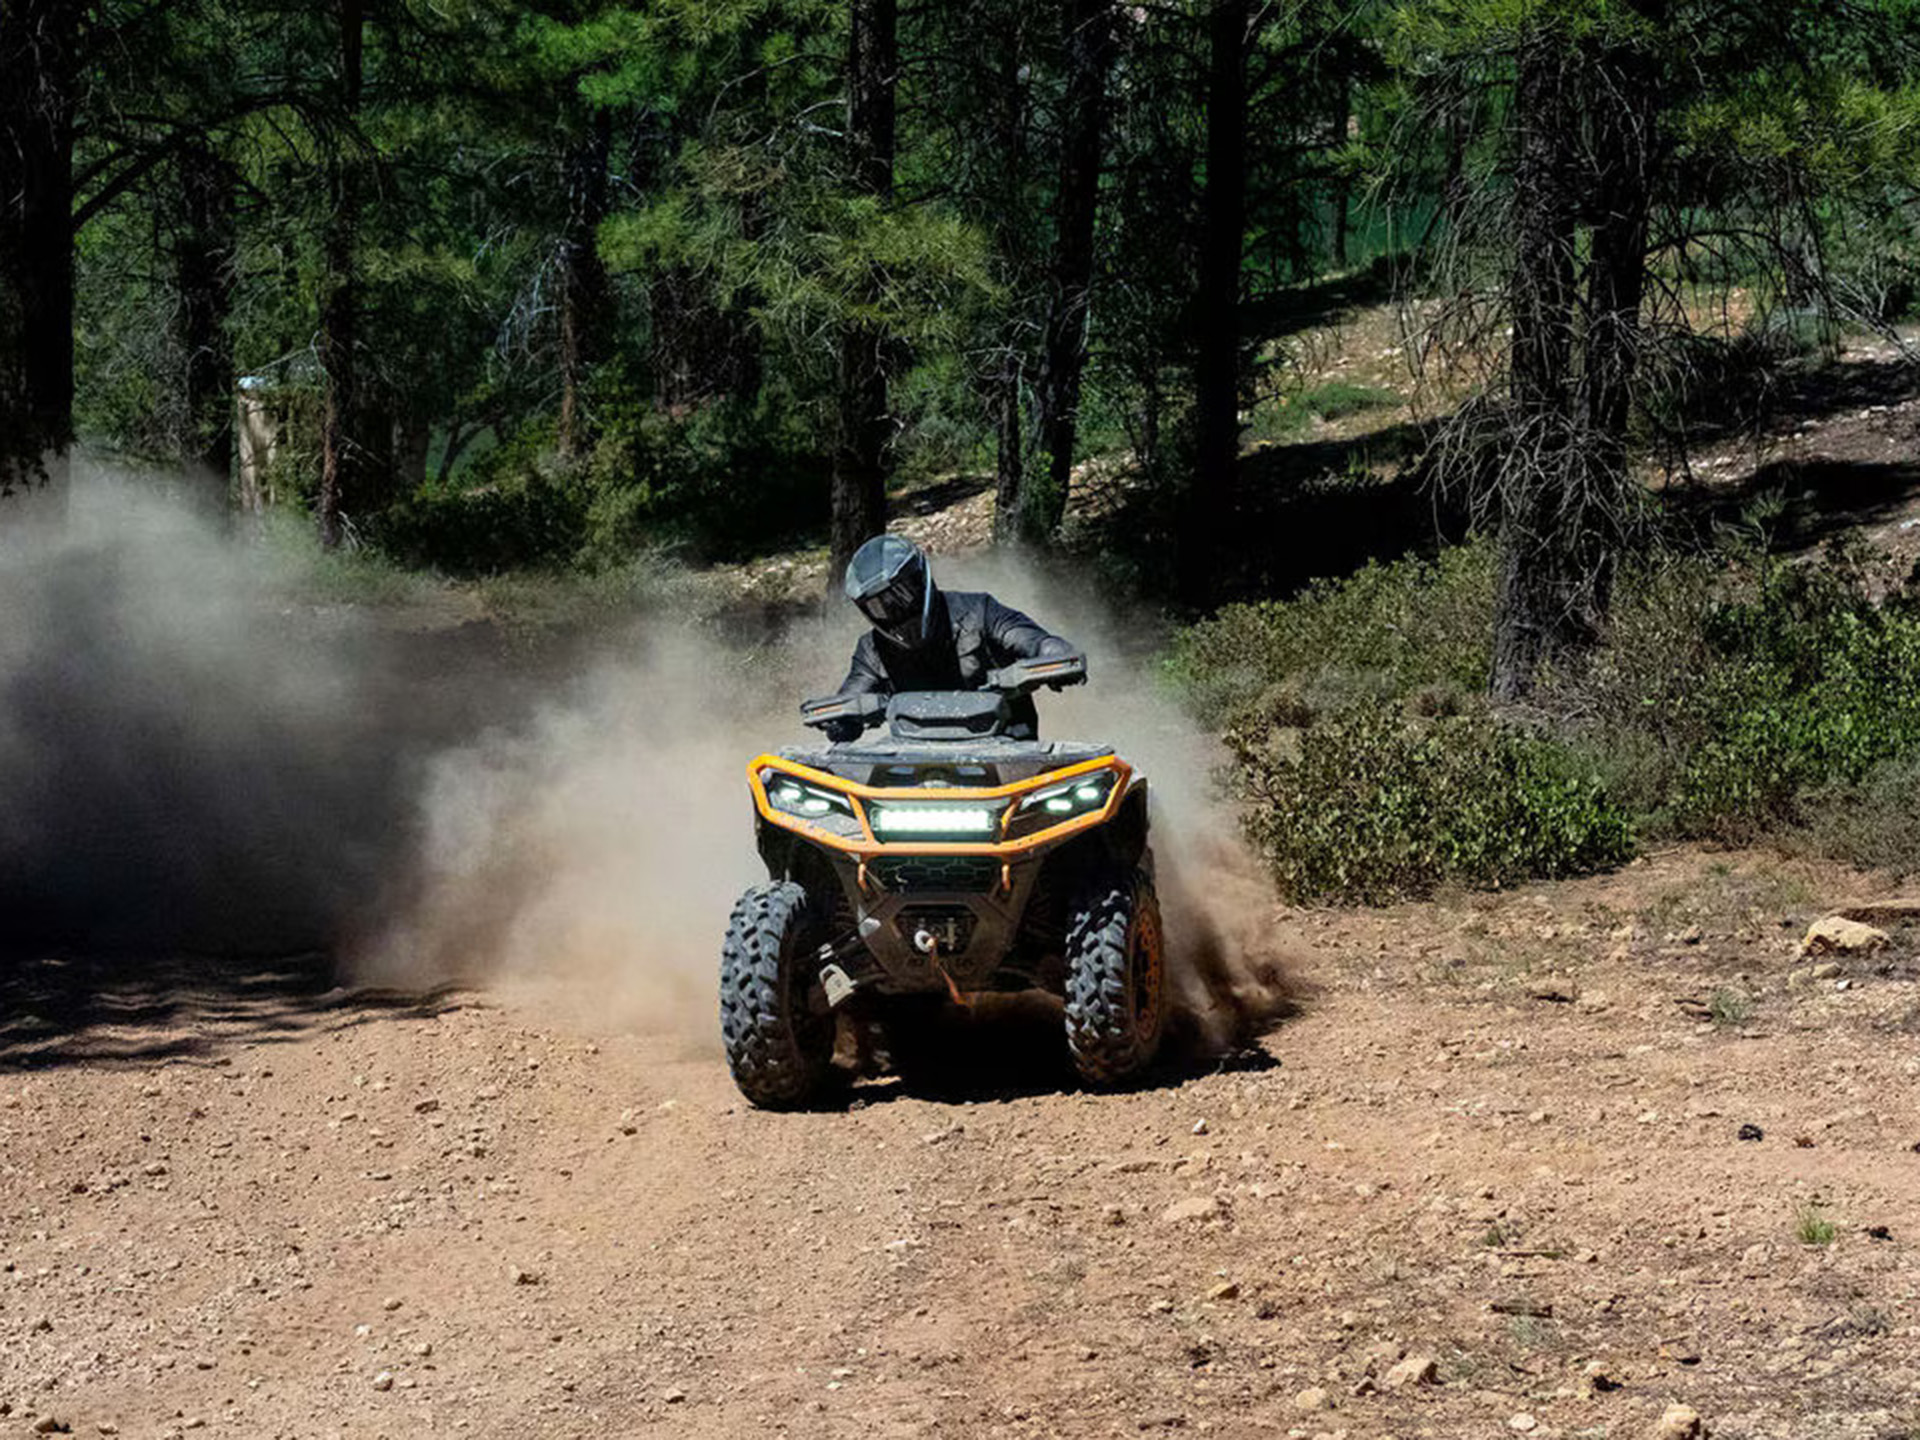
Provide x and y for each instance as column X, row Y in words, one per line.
column 1116, row 977
column 779, row 1049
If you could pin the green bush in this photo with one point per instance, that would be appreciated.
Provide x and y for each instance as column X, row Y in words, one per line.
column 1873, row 823
column 1374, row 806
column 1737, row 697
column 1387, row 631
column 1813, row 682
column 525, row 520
column 719, row 482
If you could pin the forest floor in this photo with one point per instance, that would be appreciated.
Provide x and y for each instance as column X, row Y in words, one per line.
column 1543, row 1162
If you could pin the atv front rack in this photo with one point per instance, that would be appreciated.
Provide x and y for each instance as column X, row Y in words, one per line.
column 868, row 822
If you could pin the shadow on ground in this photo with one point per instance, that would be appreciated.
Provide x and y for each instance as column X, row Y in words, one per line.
column 1009, row 1047
column 61, row 1009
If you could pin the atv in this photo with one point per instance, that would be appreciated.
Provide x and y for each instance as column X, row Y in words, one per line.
column 941, row 860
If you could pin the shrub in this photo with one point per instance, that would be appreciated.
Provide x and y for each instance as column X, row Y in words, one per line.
column 720, row 482
column 1814, row 686
column 1385, row 631
column 1374, row 806
column 1873, row 823
column 1812, row 1227
column 523, row 520
column 1736, row 697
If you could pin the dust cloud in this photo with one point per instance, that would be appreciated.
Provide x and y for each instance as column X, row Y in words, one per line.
column 600, row 845
column 1232, row 975
column 198, row 756
column 188, row 760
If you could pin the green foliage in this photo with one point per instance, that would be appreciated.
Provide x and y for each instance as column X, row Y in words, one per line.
column 1390, row 630
column 1812, row 1227
column 722, row 481
column 1873, row 822
column 1291, row 415
column 1735, row 697
column 1809, row 682
column 1375, row 806
column 522, row 520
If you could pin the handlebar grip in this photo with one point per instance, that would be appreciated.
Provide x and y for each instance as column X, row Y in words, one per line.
column 1054, row 671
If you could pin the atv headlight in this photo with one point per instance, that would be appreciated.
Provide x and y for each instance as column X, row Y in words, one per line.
column 936, row 822
column 1073, row 797
column 810, row 802
column 1057, row 804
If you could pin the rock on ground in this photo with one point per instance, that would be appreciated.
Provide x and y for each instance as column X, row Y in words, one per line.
column 1837, row 935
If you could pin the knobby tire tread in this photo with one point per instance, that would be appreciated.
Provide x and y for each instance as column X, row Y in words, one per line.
column 1107, row 1045
column 779, row 1054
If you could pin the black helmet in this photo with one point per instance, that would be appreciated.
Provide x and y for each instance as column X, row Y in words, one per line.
column 888, row 579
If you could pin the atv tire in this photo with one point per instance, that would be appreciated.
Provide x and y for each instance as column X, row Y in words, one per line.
column 779, row 1049
column 1116, row 977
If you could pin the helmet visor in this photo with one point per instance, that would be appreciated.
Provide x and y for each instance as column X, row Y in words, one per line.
column 887, row 578
column 893, row 608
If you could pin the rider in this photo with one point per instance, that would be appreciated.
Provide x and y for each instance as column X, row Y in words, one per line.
column 926, row 638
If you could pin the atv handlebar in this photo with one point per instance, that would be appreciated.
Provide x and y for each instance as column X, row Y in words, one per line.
column 837, row 711
column 845, row 717
column 1053, row 672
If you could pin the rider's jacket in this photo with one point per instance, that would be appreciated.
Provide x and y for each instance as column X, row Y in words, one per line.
column 970, row 634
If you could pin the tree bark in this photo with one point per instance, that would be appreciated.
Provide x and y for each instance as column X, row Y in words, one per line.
column 1063, row 356
column 1009, row 461
column 1217, row 304
column 1342, row 185
column 343, row 458
column 861, row 459
column 1621, row 217
column 1007, row 380
column 1541, row 528
column 38, row 43
column 204, row 277
column 583, row 283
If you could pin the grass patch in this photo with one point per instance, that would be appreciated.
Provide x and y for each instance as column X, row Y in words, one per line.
column 351, row 575
column 1528, row 1332
column 1730, row 1007
column 1812, row 1227
column 1290, row 416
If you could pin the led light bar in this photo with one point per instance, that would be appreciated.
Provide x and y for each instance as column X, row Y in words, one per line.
column 932, row 820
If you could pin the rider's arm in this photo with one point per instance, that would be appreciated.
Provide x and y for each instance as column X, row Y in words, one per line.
column 1014, row 636
column 867, row 676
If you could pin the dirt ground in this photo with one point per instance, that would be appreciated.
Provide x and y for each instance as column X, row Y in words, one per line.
column 1501, row 1133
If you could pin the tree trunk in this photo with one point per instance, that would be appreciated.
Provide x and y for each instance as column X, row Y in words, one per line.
column 1541, row 526
column 1063, row 355
column 1217, row 305
column 1622, row 213
column 1342, row 182
column 1009, row 448
column 1007, row 381
column 204, row 276
column 412, row 439
column 343, row 458
column 37, row 58
column 583, row 282
column 864, row 430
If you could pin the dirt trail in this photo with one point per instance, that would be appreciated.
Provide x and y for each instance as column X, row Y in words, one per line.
column 546, row 1230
